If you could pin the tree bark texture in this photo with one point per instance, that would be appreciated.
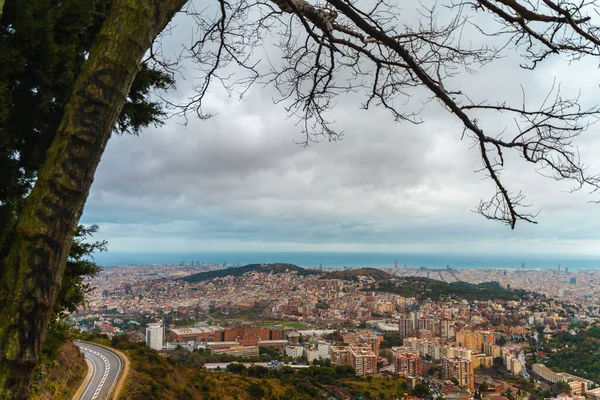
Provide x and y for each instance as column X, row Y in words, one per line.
column 30, row 275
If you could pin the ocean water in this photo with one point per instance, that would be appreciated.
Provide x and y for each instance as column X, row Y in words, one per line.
column 354, row 260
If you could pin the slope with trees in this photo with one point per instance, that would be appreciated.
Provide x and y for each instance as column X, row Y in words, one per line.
column 322, row 44
column 276, row 268
column 577, row 354
column 438, row 290
column 354, row 274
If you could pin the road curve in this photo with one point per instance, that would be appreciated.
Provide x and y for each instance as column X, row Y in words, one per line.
column 107, row 366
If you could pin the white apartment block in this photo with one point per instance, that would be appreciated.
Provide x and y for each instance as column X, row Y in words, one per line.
column 154, row 335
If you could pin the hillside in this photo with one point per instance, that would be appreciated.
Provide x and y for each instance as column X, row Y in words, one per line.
column 353, row 274
column 408, row 286
column 60, row 377
column 437, row 290
column 239, row 271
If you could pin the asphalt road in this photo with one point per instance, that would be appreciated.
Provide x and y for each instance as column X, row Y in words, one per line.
column 107, row 366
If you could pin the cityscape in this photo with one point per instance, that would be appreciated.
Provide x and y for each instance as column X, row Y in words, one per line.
column 460, row 345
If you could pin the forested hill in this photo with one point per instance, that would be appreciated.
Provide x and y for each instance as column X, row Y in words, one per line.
column 438, row 290
column 422, row 288
column 353, row 274
column 277, row 268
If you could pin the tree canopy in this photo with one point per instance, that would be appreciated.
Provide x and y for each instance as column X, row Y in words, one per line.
column 43, row 45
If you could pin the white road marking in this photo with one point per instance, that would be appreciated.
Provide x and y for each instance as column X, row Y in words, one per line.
column 95, row 360
column 104, row 376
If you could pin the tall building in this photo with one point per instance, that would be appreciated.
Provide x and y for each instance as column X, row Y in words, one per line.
column 408, row 364
column 405, row 327
column 154, row 335
column 424, row 324
column 460, row 368
column 414, row 315
column 447, row 331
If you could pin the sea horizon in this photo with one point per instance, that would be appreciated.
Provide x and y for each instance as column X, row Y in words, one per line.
column 355, row 260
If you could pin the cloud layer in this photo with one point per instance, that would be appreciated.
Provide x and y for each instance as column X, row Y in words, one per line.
column 238, row 181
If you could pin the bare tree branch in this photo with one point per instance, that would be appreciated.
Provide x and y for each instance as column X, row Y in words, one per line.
column 336, row 47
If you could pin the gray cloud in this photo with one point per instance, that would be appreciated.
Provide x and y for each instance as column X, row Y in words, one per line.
column 238, row 180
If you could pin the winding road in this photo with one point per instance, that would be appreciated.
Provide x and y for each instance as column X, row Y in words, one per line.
column 107, row 366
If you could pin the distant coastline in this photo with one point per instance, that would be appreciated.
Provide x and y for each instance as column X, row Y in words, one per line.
column 355, row 260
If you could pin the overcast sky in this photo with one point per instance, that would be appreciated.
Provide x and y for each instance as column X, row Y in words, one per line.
column 238, row 181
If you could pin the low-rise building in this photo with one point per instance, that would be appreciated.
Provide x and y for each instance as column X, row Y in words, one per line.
column 238, row 351
column 294, row 351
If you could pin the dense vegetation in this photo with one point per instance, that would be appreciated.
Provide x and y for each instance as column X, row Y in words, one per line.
column 579, row 354
column 438, row 290
column 277, row 268
column 353, row 274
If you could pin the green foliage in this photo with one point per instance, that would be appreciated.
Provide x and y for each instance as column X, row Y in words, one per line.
column 256, row 391
column 239, row 271
column 438, row 290
column 391, row 340
column 258, row 371
column 509, row 394
column 80, row 265
column 353, row 274
column 345, row 371
column 43, row 45
column 237, row 368
column 561, row 387
column 581, row 357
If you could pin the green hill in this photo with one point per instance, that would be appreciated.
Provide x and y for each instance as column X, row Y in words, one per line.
column 438, row 290
column 353, row 274
column 277, row 268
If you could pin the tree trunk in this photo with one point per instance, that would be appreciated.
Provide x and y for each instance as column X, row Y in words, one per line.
column 1, row 7
column 32, row 271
